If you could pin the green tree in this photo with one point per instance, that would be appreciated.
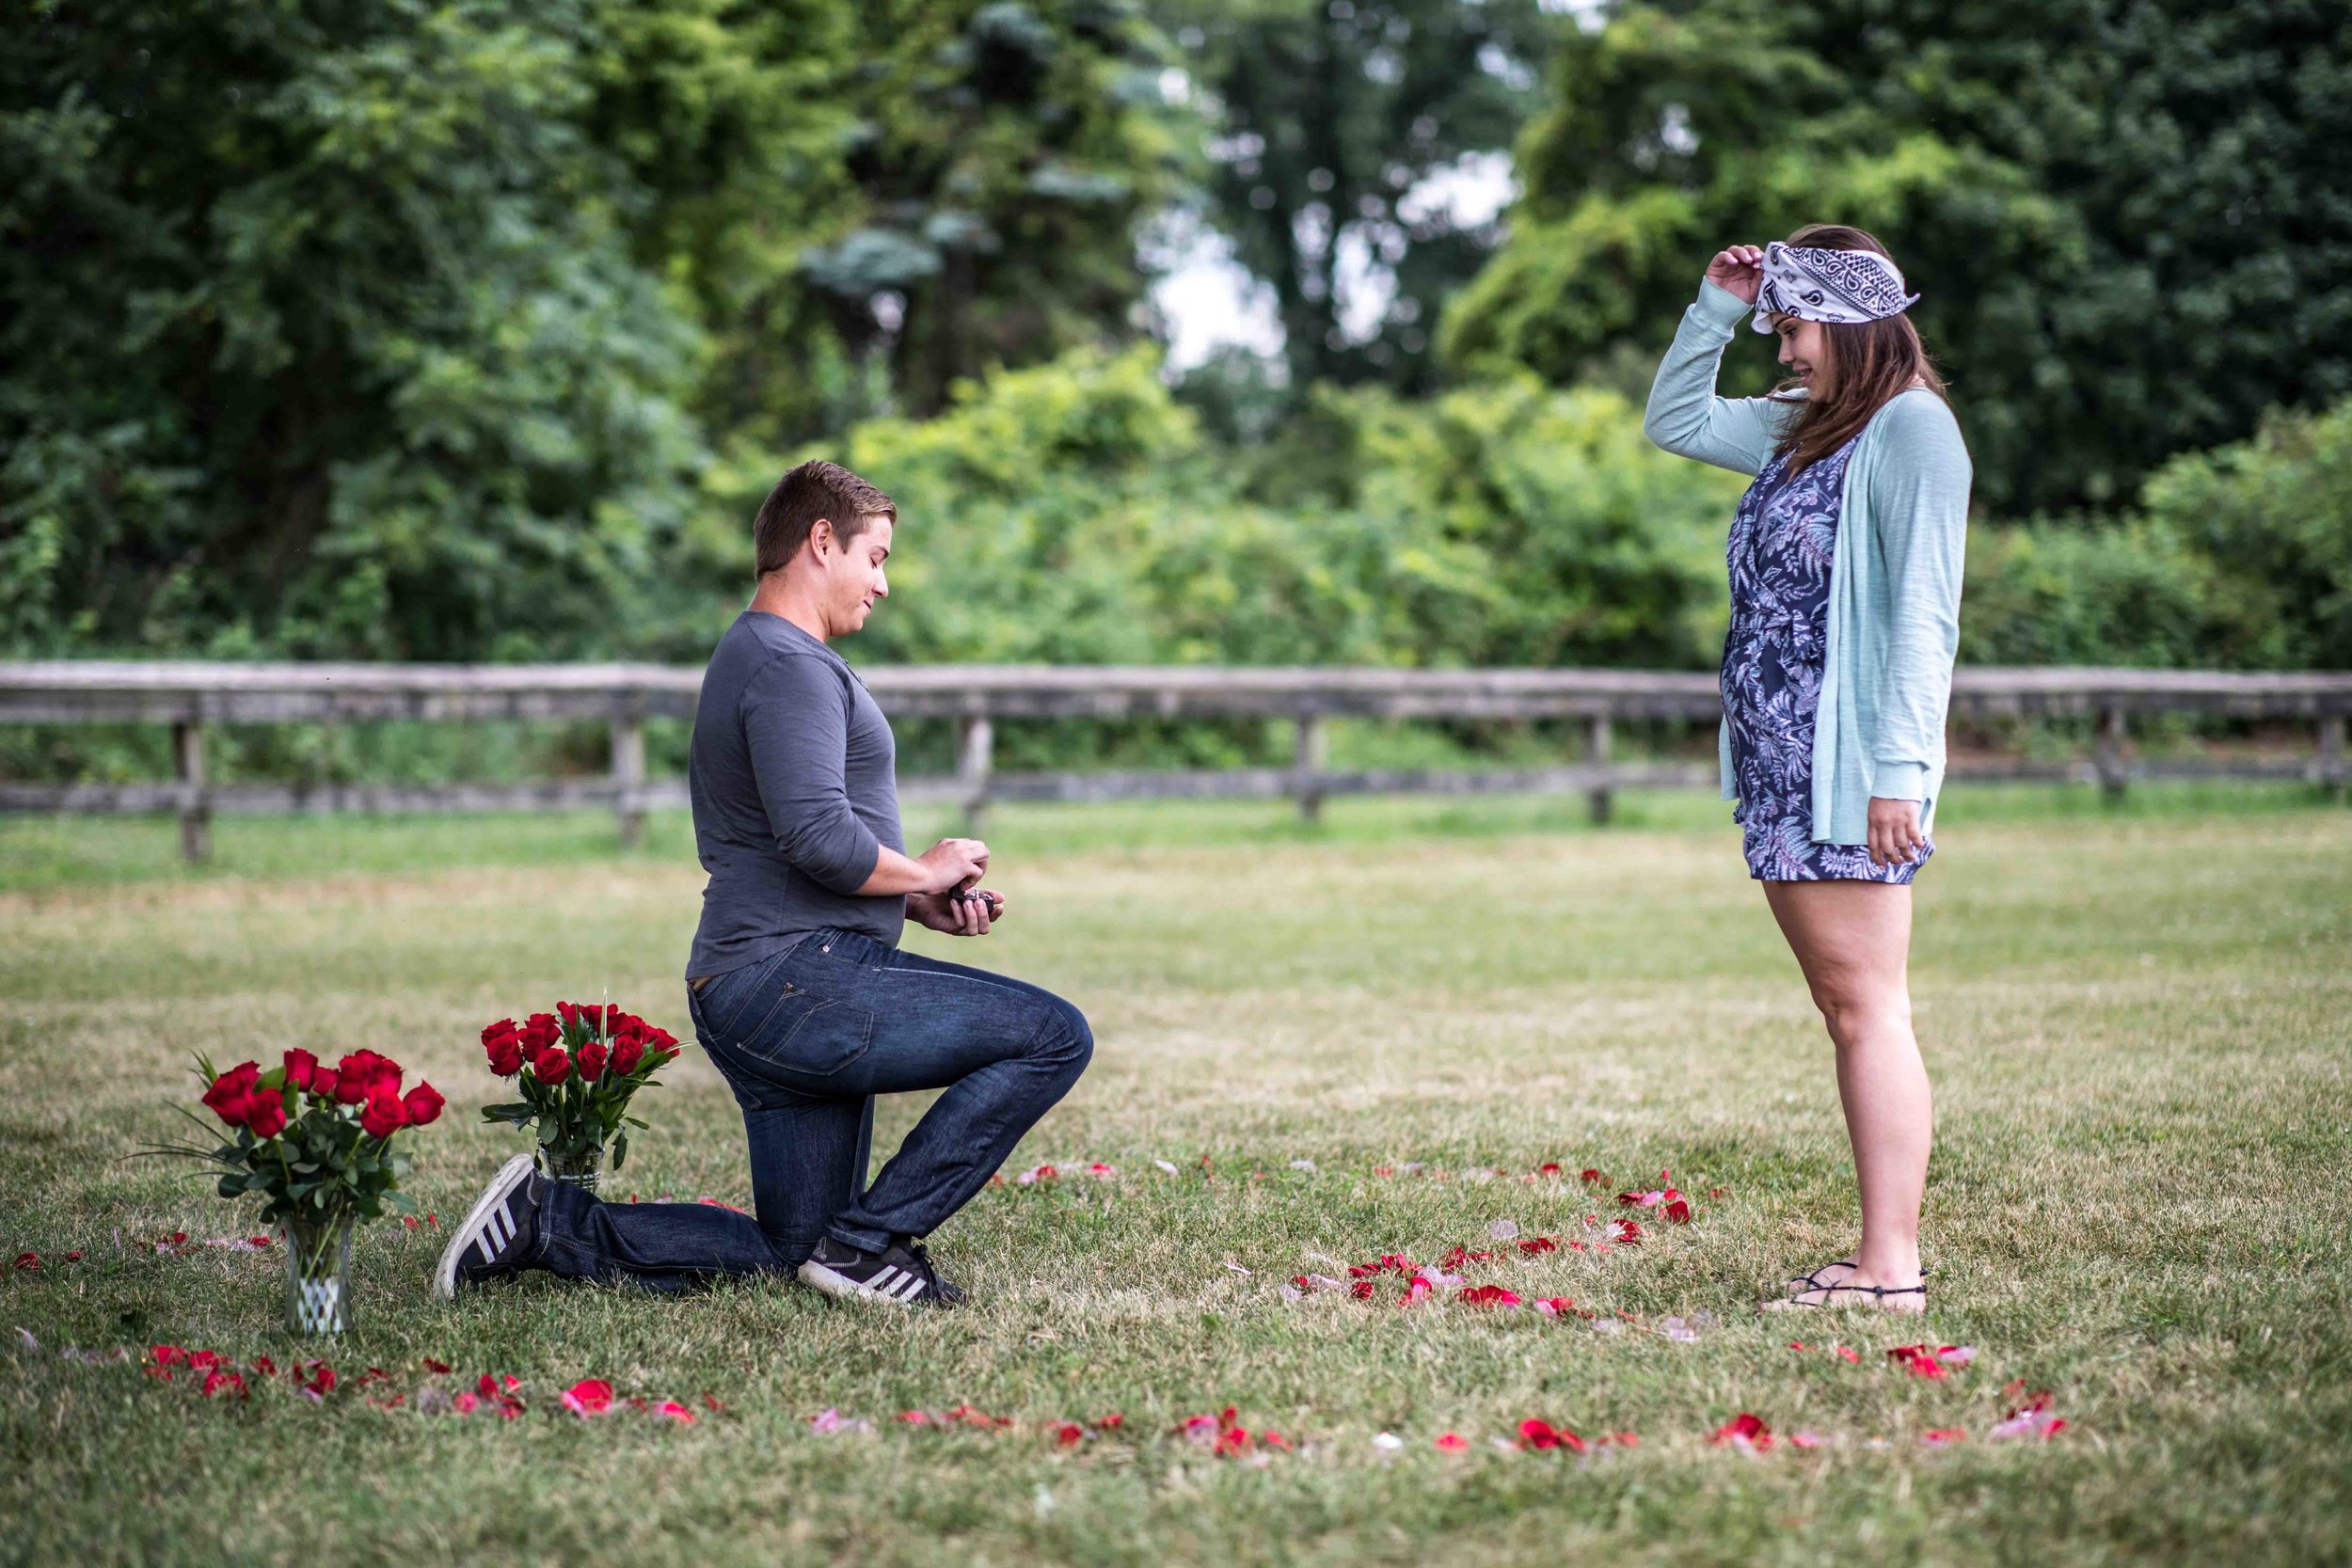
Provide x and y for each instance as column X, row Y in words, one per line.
column 1327, row 113
column 2129, row 218
column 1001, row 155
column 321, row 333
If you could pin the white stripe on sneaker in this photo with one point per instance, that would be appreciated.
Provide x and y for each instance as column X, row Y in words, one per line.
column 885, row 1282
column 914, row 1288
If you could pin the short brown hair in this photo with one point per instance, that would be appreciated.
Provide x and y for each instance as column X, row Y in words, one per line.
column 802, row 496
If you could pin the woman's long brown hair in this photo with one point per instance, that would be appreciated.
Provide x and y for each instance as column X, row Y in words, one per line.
column 1871, row 363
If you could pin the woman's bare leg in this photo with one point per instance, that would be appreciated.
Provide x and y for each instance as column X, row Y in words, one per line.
column 1853, row 942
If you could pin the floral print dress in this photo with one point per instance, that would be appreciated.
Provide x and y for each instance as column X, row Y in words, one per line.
column 1783, row 539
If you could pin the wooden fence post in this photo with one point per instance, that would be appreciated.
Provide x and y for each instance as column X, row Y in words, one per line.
column 2331, row 754
column 628, row 776
column 1310, row 748
column 2108, row 758
column 1597, row 752
column 976, row 753
column 196, row 811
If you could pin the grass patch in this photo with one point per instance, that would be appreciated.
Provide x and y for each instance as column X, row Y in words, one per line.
column 2141, row 1200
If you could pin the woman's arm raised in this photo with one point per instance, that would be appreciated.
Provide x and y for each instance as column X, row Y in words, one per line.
column 1685, row 416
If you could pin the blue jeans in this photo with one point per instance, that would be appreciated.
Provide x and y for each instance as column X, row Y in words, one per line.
column 806, row 1040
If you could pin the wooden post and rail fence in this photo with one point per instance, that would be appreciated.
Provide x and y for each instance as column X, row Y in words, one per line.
column 192, row 697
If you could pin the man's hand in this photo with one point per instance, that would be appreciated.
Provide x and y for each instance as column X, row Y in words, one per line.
column 959, row 914
column 953, row 863
column 1895, row 835
column 1738, row 269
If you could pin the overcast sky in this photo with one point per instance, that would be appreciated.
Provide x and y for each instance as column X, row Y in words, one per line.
column 1209, row 300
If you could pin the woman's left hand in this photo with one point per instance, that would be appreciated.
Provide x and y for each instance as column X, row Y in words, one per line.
column 1896, row 838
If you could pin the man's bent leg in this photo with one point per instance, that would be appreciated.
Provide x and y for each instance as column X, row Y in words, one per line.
column 1005, row 1051
column 667, row 1247
column 809, row 1158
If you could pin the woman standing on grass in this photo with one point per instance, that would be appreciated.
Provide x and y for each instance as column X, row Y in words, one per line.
column 1844, row 560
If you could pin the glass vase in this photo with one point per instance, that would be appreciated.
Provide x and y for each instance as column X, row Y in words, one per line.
column 583, row 1169
column 318, row 1275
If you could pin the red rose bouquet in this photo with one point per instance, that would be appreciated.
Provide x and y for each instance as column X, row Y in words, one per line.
column 315, row 1142
column 577, row 1068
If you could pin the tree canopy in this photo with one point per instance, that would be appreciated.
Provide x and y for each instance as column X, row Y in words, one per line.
column 2130, row 219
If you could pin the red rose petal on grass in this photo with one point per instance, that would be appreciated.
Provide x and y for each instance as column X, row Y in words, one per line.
column 1549, row 1168
column 1847, row 1352
column 1110, row 1422
column 714, row 1402
column 1535, row 1244
column 1272, row 1439
column 1068, row 1434
column 1677, row 1213
column 1920, row 1360
column 215, row 1382
column 431, row 1366
column 1626, row 1232
column 1030, row 1178
column 1361, row 1290
column 1488, row 1295
column 28, row 1261
column 1808, row 1439
column 671, row 1410
column 1452, row 1442
column 590, row 1396
column 917, row 1417
column 1589, row 1174
column 1943, row 1438
column 464, row 1404
column 1536, row 1433
column 1744, row 1430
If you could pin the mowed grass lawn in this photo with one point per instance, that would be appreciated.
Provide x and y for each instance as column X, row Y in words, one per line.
column 2141, row 1201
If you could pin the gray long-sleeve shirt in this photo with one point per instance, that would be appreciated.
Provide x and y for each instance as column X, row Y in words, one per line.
column 794, row 781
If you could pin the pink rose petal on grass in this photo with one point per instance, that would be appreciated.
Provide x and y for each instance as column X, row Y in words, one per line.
column 590, row 1396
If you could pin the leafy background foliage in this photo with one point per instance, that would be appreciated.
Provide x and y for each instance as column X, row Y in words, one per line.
column 455, row 330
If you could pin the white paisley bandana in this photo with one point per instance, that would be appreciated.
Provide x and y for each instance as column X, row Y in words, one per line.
column 1828, row 286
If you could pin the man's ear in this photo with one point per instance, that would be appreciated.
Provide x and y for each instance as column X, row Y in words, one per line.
column 820, row 537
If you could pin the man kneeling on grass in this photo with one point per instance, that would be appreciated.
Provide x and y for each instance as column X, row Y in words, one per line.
column 796, row 985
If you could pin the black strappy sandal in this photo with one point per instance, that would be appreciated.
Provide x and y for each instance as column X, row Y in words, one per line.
column 1877, row 1294
column 1813, row 1282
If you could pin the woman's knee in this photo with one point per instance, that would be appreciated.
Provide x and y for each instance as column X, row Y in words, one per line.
column 1857, row 1009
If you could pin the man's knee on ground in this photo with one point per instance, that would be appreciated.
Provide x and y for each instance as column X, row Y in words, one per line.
column 1066, row 1035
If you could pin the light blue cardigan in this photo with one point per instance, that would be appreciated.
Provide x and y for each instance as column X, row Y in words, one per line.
column 1894, row 601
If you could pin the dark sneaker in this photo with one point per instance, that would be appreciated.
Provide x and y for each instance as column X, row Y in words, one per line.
column 895, row 1274
column 950, row 1294
column 497, row 1232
